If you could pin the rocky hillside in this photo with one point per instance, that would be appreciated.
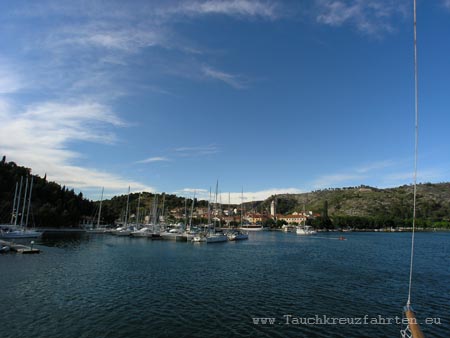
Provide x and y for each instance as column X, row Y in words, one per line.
column 433, row 202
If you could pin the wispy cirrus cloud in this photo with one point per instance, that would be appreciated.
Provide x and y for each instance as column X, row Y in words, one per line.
column 10, row 82
column 446, row 3
column 237, row 8
column 182, row 152
column 197, row 151
column 369, row 17
column 357, row 175
column 235, row 81
column 111, row 36
column 104, row 37
column 334, row 180
column 154, row 159
column 375, row 166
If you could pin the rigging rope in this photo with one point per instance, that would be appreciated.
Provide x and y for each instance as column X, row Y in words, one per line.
column 415, row 154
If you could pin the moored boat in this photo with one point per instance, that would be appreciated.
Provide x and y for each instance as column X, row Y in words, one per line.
column 19, row 233
column 237, row 235
column 253, row 227
column 144, row 232
column 305, row 230
column 216, row 237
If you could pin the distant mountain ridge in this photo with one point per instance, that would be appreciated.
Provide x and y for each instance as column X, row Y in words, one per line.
column 433, row 201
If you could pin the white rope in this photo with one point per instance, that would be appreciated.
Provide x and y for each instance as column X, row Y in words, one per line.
column 415, row 154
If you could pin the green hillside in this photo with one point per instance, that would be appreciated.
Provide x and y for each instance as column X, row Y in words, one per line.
column 393, row 205
column 52, row 205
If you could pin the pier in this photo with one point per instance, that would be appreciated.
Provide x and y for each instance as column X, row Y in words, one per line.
column 19, row 248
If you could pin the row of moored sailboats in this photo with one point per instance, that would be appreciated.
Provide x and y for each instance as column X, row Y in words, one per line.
column 181, row 232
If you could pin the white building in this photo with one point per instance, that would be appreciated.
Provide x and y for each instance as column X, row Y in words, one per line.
column 272, row 208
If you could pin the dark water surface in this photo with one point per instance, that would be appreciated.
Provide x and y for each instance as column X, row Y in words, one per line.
column 105, row 286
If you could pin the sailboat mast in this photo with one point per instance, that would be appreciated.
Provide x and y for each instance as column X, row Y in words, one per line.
column 192, row 210
column 138, row 206
column 185, row 211
column 209, row 207
column 126, row 210
column 24, row 202
column 155, row 210
column 100, row 209
column 229, row 208
column 18, row 201
column 242, row 207
column 162, row 209
column 14, row 204
column 29, row 201
column 216, row 209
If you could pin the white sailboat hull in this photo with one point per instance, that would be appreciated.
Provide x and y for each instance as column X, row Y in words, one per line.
column 20, row 234
column 215, row 238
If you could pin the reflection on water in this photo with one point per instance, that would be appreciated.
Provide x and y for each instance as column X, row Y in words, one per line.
column 106, row 286
column 63, row 240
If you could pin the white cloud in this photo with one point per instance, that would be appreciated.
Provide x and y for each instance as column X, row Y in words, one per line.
column 234, row 81
column 237, row 197
column 329, row 181
column 375, row 166
column 9, row 82
column 357, row 175
column 154, row 159
column 240, row 8
column 40, row 138
column 197, row 151
column 107, row 35
column 183, row 152
column 369, row 17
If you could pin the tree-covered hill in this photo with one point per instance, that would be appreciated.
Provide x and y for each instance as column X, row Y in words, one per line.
column 52, row 205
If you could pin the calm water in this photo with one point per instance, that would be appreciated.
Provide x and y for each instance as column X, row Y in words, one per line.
column 105, row 286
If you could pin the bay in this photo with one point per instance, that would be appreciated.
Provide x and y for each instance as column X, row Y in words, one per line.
column 106, row 286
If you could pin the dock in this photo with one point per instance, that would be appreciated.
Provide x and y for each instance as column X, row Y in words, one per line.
column 19, row 248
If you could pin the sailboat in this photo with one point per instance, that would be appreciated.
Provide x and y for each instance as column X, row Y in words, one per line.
column 125, row 230
column 304, row 229
column 97, row 229
column 13, row 230
column 249, row 227
column 141, row 231
column 211, row 235
column 236, row 234
column 412, row 329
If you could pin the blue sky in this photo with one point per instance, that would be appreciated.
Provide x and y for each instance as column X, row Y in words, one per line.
column 271, row 96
